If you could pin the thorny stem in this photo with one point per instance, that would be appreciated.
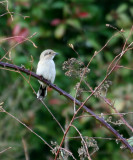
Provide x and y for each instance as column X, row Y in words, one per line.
column 68, row 96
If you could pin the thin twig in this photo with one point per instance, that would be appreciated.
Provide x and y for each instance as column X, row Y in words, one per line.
column 7, row 8
column 15, row 14
column 52, row 116
column 5, row 150
column 104, row 114
column 3, row 110
column 83, row 142
column 115, row 110
column 101, row 138
column 25, row 149
column 24, row 39
column 120, row 115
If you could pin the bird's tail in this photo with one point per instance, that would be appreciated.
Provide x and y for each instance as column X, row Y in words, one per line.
column 42, row 92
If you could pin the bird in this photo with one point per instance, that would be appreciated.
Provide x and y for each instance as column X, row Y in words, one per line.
column 46, row 69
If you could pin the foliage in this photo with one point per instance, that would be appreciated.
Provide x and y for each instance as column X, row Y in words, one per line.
column 57, row 24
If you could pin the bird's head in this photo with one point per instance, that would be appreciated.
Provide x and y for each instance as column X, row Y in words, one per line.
column 48, row 54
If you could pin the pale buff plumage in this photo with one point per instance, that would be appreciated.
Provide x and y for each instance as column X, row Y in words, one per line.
column 46, row 68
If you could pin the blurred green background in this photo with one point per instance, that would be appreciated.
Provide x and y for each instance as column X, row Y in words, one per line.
column 58, row 23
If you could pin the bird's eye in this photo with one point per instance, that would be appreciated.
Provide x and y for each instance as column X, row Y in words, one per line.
column 49, row 52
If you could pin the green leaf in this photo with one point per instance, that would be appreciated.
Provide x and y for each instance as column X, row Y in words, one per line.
column 60, row 31
column 130, row 141
column 123, row 7
column 131, row 10
column 74, row 23
column 124, row 20
column 58, row 4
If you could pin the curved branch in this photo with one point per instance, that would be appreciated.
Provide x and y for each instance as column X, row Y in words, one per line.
column 68, row 96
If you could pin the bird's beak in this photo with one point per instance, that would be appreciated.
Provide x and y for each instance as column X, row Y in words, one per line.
column 56, row 53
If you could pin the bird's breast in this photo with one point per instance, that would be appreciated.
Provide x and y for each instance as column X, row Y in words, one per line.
column 46, row 69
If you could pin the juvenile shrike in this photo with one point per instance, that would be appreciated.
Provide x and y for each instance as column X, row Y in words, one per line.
column 46, row 69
